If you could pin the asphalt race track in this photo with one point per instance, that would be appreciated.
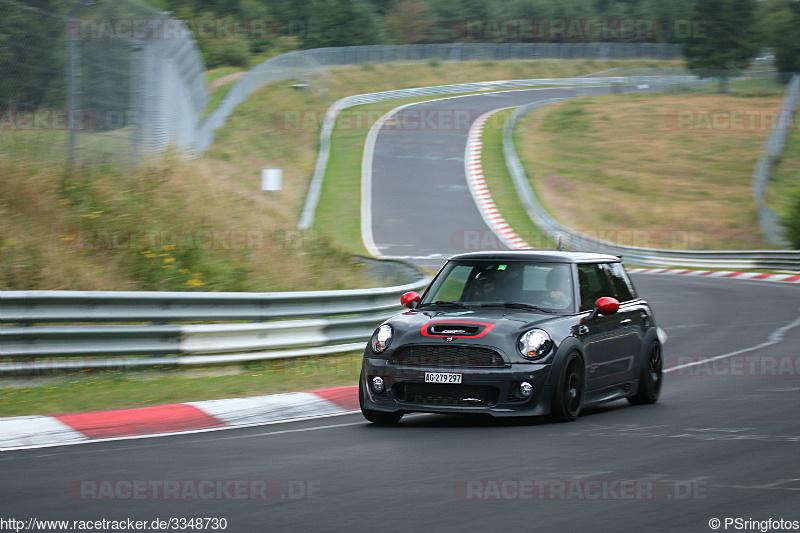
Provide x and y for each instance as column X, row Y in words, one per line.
column 422, row 210
column 722, row 443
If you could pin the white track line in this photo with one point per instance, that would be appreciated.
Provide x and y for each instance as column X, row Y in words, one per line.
column 774, row 338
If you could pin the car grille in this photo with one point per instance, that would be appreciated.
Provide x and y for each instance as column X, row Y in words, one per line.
column 447, row 357
column 450, row 395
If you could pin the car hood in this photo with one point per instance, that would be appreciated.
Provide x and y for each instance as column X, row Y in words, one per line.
column 468, row 323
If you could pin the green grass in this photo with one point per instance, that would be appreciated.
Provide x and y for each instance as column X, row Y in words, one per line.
column 784, row 187
column 89, row 391
column 217, row 73
column 51, row 146
column 625, row 168
column 501, row 187
column 571, row 117
column 338, row 212
column 220, row 92
column 217, row 96
column 745, row 88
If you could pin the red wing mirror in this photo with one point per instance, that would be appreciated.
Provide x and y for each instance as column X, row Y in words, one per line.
column 607, row 305
column 410, row 300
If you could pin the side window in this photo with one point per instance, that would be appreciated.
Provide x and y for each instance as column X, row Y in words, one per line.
column 622, row 283
column 594, row 284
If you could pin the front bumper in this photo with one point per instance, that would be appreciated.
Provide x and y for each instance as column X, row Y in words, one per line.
column 482, row 390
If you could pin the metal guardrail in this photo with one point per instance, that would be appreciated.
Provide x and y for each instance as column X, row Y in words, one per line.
column 766, row 259
column 310, row 66
column 29, row 307
column 315, row 189
column 769, row 220
column 300, row 323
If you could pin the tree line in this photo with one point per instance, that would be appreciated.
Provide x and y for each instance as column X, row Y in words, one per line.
column 718, row 34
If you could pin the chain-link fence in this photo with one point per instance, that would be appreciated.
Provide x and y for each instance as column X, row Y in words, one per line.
column 96, row 82
column 309, row 66
column 100, row 81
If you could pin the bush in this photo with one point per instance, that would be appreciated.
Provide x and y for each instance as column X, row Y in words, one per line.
column 219, row 52
column 792, row 223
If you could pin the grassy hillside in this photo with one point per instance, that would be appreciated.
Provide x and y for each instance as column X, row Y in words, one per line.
column 172, row 226
column 205, row 224
column 672, row 171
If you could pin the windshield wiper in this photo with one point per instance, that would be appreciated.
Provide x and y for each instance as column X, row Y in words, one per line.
column 445, row 304
column 517, row 305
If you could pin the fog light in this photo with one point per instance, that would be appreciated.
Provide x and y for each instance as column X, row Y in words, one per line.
column 525, row 389
column 377, row 384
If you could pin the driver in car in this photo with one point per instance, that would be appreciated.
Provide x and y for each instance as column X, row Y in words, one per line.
column 558, row 291
column 486, row 285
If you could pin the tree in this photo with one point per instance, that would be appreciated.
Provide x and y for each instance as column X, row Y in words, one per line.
column 723, row 39
column 779, row 30
column 791, row 223
column 32, row 56
column 344, row 23
column 409, row 21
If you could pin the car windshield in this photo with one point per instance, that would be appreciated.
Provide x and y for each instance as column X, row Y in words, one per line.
column 511, row 284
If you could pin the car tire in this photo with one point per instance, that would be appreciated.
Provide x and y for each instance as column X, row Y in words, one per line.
column 568, row 396
column 650, row 378
column 381, row 418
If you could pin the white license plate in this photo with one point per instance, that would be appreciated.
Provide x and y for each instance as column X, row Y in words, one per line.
column 442, row 377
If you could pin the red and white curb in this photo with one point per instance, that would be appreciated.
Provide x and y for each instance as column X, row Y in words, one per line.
column 785, row 278
column 479, row 189
column 23, row 432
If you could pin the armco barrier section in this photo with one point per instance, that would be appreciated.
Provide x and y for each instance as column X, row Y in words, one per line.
column 299, row 323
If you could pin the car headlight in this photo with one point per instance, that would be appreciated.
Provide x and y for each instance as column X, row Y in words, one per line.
column 381, row 338
column 534, row 344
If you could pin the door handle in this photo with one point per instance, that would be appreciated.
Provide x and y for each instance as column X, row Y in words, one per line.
column 625, row 321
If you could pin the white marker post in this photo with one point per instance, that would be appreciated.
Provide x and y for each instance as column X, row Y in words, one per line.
column 271, row 179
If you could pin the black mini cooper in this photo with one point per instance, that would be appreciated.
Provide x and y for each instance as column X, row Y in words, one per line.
column 518, row 333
